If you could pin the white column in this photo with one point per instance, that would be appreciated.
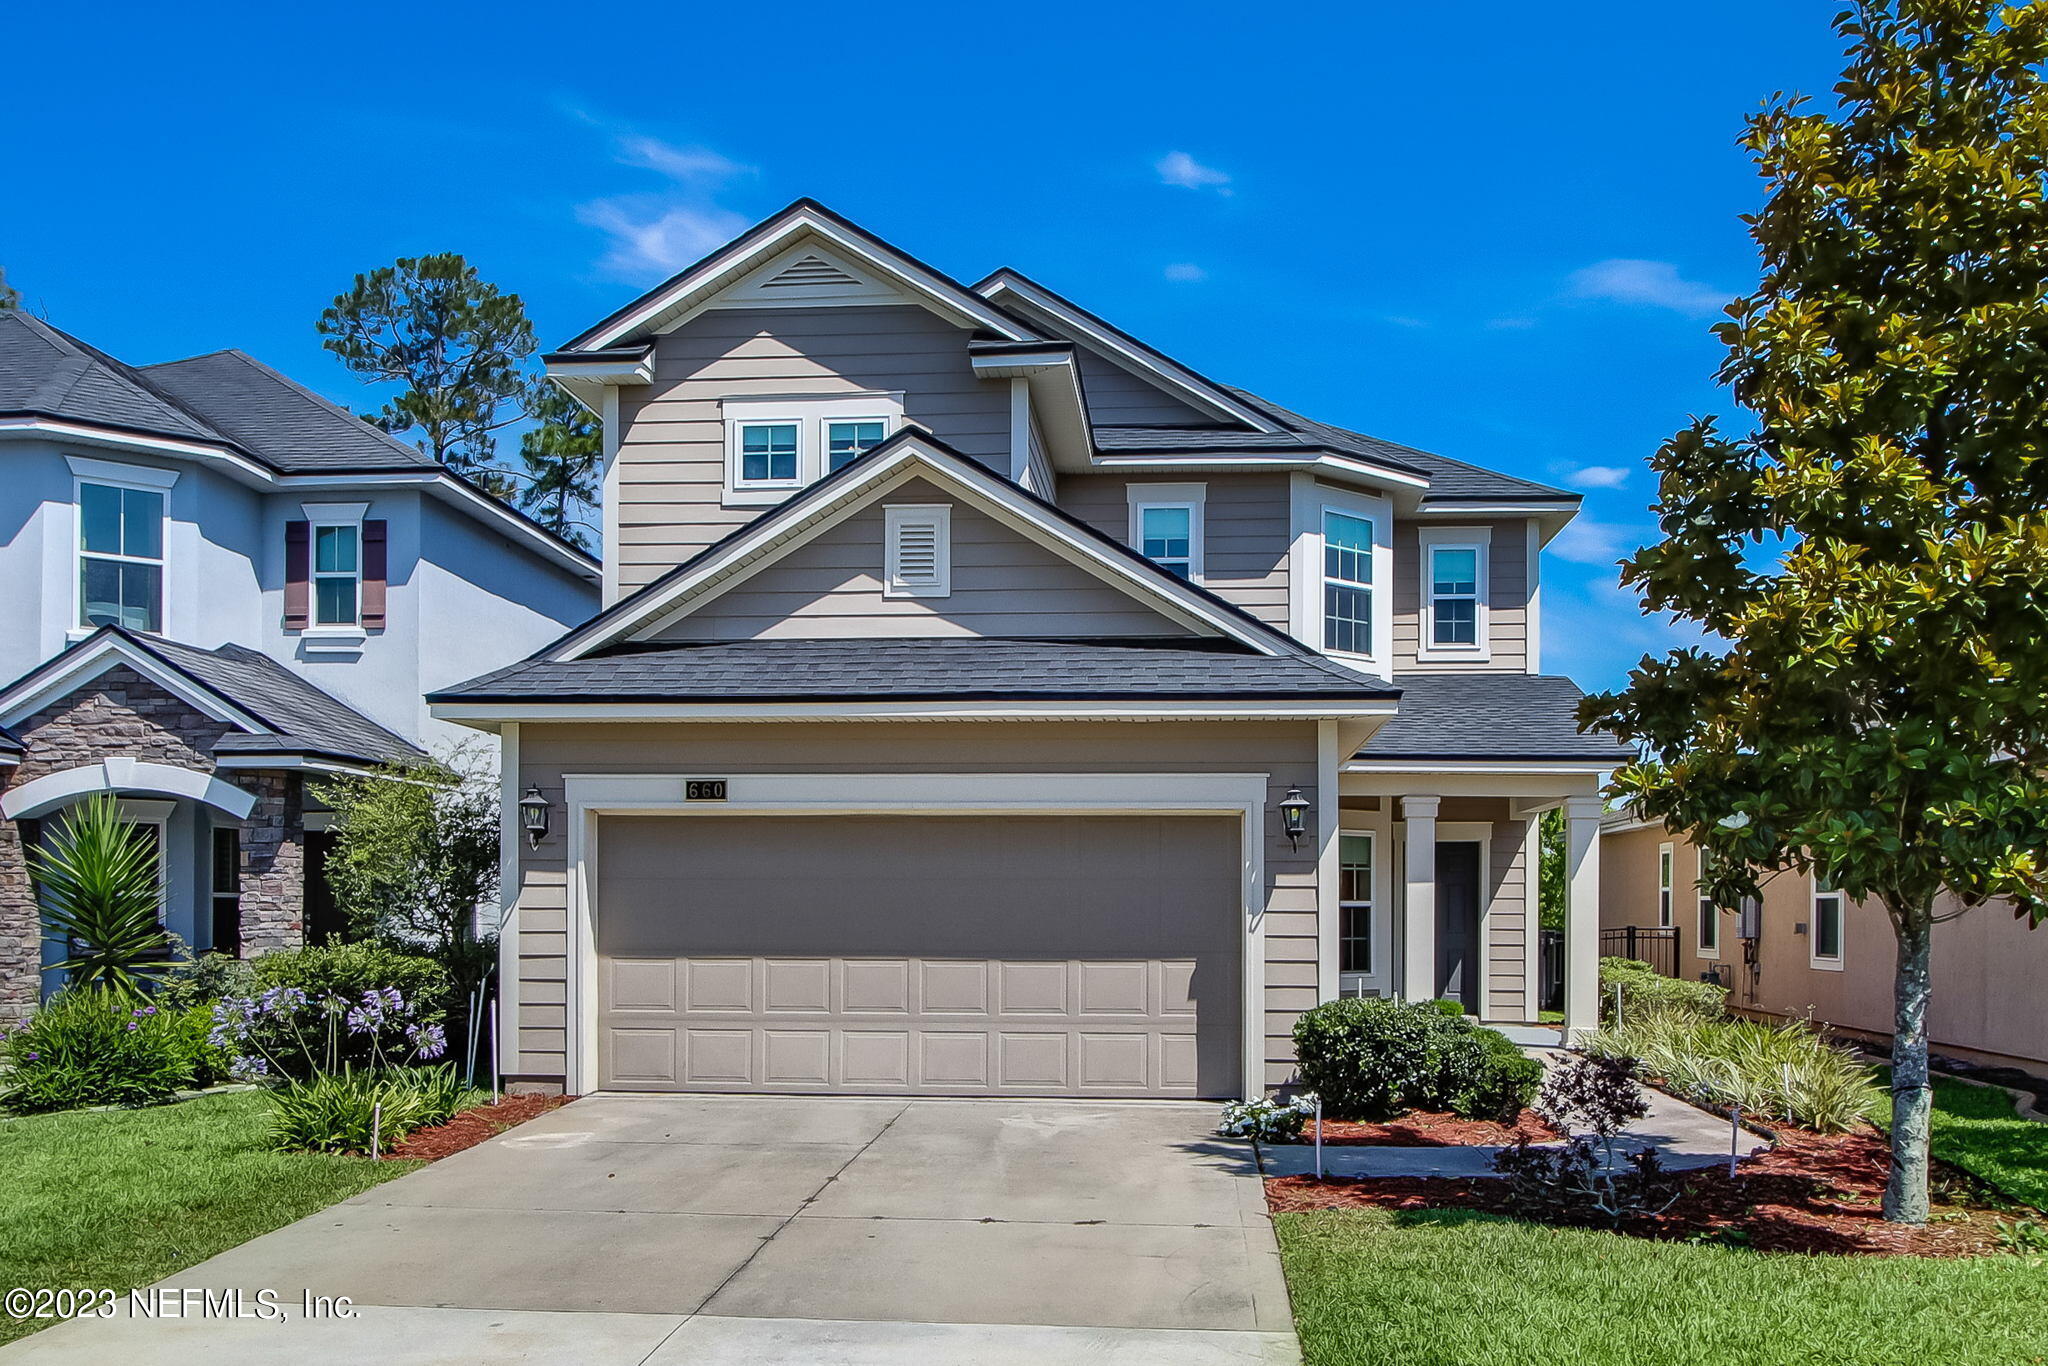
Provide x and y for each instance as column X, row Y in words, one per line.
column 1418, row 977
column 1582, row 916
column 1328, row 819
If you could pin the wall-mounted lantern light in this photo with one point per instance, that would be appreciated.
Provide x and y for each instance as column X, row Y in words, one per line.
column 1294, row 816
column 533, row 817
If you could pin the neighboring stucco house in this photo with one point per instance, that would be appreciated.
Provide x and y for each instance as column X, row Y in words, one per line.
column 963, row 664
column 218, row 585
column 1810, row 952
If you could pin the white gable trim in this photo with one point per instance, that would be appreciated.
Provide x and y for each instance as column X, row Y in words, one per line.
column 795, row 523
column 66, row 673
column 807, row 275
column 1153, row 368
column 120, row 773
column 674, row 303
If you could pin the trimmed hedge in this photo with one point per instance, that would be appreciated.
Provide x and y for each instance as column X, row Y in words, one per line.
column 1369, row 1058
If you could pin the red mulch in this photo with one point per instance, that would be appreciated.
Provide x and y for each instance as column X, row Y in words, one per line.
column 1808, row 1193
column 1431, row 1129
column 473, row 1126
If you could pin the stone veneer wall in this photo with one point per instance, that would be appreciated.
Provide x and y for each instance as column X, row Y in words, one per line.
column 123, row 713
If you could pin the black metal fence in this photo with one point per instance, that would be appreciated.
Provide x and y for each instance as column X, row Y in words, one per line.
column 1658, row 948
column 1550, row 969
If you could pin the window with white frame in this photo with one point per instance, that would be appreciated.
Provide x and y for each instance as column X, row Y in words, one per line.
column 1347, row 582
column 775, row 446
column 1709, row 914
column 1824, row 941
column 337, row 574
column 1664, row 867
column 1454, row 593
column 120, row 556
column 1166, row 526
column 1354, row 905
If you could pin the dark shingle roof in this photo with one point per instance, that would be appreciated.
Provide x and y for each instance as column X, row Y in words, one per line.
column 1488, row 716
column 278, row 420
column 307, row 720
column 950, row 668
column 46, row 372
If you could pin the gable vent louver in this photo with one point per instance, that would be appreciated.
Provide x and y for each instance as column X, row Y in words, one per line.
column 810, row 272
column 920, row 551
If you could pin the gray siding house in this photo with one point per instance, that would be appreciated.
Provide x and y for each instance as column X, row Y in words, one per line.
column 219, row 587
column 986, row 703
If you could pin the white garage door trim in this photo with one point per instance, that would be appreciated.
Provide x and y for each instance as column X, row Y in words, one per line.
column 589, row 796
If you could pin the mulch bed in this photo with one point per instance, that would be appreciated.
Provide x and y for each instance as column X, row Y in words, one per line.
column 1809, row 1193
column 473, row 1126
column 1430, row 1129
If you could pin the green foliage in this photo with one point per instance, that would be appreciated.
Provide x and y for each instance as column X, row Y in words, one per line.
column 1786, row 1070
column 203, row 980
column 97, row 874
column 349, row 1110
column 1550, row 879
column 293, row 1013
column 1980, row 1130
column 1369, row 1058
column 96, row 1046
column 10, row 297
column 563, row 456
column 1871, row 556
column 1644, row 988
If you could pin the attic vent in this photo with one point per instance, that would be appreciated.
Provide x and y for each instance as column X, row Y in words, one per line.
column 920, row 551
column 810, row 272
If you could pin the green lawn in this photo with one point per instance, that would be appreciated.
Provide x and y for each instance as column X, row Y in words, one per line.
column 1978, row 1129
column 1451, row 1288
column 121, row 1198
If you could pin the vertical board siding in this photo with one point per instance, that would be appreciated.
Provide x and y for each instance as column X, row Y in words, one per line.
column 671, row 458
column 1245, row 531
column 1507, row 583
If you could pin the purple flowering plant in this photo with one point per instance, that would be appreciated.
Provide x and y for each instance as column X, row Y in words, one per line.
column 284, row 1032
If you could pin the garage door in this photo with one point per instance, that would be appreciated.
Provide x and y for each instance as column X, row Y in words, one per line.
column 1031, row 955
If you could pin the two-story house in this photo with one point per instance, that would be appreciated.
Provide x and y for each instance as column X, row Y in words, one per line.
column 987, row 703
column 217, row 586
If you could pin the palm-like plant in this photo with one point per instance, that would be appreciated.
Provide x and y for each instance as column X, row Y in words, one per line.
column 101, row 896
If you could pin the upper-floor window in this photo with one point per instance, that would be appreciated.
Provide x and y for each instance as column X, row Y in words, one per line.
column 120, row 556
column 1454, row 593
column 1166, row 526
column 337, row 574
column 777, row 445
column 1347, row 583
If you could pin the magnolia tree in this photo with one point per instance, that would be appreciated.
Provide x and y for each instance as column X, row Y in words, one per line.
column 1873, row 552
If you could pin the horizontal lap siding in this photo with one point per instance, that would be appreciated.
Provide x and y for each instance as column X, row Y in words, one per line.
column 1509, row 921
column 1283, row 750
column 1003, row 585
column 1245, row 531
column 1507, row 589
column 671, row 458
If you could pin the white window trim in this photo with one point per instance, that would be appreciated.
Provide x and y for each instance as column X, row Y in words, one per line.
column 319, row 515
column 1814, row 959
column 107, row 473
column 1667, row 905
column 156, row 815
column 810, row 414
column 1310, row 500
column 1707, row 913
column 1479, row 540
column 1355, row 983
column 899, row 515
column 1193, row 498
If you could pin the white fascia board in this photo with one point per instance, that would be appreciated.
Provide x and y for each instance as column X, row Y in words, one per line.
column 84, row 434
column 602, row 370
column 1057, row 395
column 64, row 673
column 1158, row 369
column 472, row 713
column 713, row 275
column 1480, row 765
column 297, row 762
column 1324, row 466
column 996, row 497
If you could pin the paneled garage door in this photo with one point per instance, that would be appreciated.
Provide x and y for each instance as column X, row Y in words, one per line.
column 940, row 955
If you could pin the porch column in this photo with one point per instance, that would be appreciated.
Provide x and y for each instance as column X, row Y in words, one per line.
column 1418, row 976
column 1582, row 916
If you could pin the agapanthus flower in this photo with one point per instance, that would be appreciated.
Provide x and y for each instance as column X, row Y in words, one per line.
column 250, row 1065
column 430, row 1041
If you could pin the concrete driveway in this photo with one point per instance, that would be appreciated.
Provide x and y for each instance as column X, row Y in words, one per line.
column 758, row 1229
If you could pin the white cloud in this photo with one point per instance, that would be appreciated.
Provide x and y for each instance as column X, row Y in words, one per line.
column 1585, row 541
column 650, row 240
column 1655, row 283
column 1598, row 476
column 690, row 165
column 1178, row 168
column 1186, row 273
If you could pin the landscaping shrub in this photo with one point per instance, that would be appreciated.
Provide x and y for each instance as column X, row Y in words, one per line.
column 1591, row 1178
column 203, row 980
column 94, row 1046
column 328, row 1007
column 1788, row 1070
column 97, row 879
column 1268, row 1121
column 1370, row 1058
column 1645, row 989
column 344, row 1111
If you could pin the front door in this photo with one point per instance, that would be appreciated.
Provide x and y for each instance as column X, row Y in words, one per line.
column 1457, row 923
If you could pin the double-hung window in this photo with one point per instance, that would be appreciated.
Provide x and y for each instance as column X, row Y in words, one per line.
column 1454, row 593
column 1347, row 583
column 337, row 575
column 777, row 445
column 1166, row 526
column 1824, row 944
column 120, row 556
column 1354, row 909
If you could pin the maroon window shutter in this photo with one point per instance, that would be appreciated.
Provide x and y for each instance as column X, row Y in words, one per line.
column 298, row 575
column 375, row 569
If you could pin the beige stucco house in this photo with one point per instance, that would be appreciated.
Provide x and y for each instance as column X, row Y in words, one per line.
column 987, row 703
column 1814, row 953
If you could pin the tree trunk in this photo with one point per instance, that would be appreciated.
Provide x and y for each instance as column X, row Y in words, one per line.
column 1905, row 1191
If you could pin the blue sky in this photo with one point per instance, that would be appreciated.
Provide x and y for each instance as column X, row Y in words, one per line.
column 1481, row 229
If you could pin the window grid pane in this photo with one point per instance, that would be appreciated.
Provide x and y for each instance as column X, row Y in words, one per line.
column 848, row 441
column 768, row 452
column 1354, row 881
column 1457, row 622
column 1347, row 583
column 1455, row 570
column 335, row 601
column 335, row 551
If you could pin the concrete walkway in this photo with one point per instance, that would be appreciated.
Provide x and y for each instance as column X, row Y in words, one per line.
column 1689, row 1136
column 657, row 1231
